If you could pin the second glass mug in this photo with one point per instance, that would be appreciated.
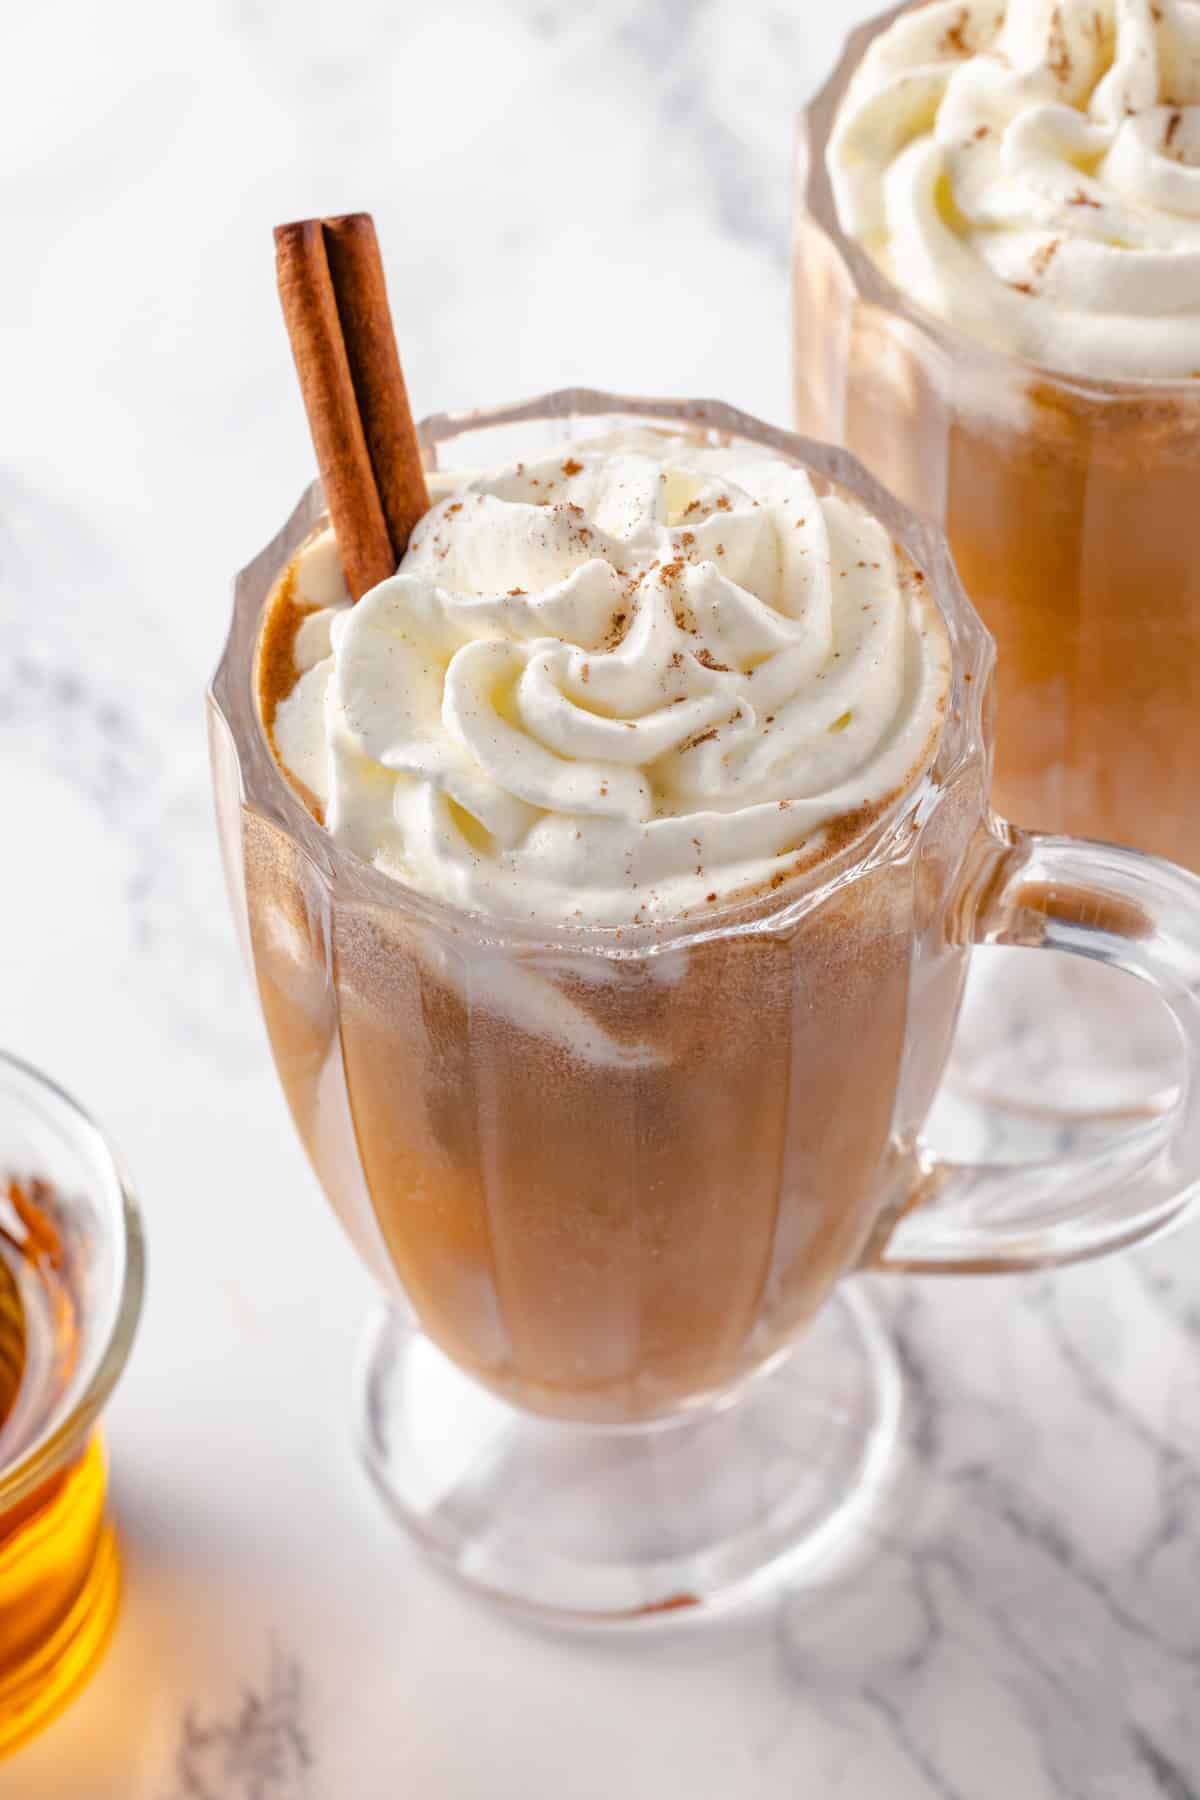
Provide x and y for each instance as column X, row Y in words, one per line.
column 609, row 1181
column 1068, row 504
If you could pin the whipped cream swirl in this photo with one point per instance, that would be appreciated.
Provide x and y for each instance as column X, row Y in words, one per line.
column 627, row 681
column 1030, row 171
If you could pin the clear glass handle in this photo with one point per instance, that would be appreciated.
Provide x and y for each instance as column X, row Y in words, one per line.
column 1134, row 913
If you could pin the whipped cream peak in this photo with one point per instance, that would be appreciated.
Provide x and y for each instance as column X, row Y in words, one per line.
column 617, row 684
column 1030, row 172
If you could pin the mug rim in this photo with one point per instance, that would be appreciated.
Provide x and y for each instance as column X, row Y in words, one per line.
column 55, row 1444
column 813, row 195
column 964, row 736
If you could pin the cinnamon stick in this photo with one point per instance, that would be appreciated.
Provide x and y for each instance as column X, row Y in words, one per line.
column 335, row 307
column 357, row 270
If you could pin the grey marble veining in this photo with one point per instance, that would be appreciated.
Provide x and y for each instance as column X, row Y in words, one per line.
column 564, row 193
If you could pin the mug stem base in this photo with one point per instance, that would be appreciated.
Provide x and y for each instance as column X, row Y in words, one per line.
column 582, row 1524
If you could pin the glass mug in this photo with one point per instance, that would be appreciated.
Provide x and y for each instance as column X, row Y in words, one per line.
column 71, row 1276
column 610, row 1180
column 1068, row 504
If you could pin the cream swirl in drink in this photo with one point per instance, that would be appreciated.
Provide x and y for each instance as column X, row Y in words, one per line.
column 1031, row 173
column 630, row 680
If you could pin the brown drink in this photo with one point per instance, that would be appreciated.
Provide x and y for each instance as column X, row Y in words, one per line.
column 611, row 1120
column 996, row 308
column 611, row 1176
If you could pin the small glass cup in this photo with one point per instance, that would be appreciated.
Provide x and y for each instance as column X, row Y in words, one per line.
column 71, row 1274
column 1068, row 504
column 610, row 1180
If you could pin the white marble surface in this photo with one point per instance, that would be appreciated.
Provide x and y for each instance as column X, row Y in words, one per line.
column 565, row 193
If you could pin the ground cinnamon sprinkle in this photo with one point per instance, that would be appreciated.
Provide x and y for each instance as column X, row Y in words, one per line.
column 571, row 467
column 705, row 737
column 1058, row 60
column 953, row 41
column 1173, row 124
column 709, row 661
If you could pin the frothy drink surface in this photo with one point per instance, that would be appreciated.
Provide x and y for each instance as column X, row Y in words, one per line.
column 624, row 686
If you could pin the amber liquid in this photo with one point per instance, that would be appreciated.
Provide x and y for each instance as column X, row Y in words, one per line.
column 58, row 1564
